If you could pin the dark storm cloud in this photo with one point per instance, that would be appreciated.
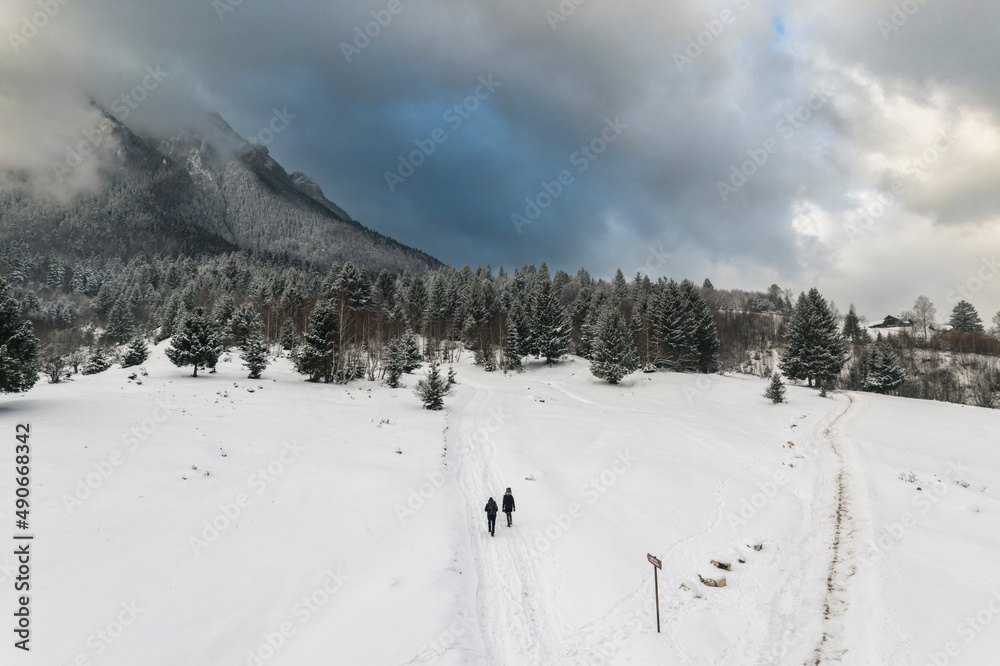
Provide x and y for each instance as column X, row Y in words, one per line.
column 697, row 90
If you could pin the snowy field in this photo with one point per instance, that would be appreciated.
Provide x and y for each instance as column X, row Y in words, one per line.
column 221, row 520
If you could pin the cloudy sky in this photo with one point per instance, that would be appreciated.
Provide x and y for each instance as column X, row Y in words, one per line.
column 854, row 146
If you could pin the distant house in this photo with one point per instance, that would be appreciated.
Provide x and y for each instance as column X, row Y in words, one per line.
column 893, row 322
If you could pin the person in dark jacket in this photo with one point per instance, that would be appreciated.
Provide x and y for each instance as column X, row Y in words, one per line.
column 508, row 506
column 491, row 516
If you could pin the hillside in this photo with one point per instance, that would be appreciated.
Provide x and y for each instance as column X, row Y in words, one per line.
column 193, row 194
column 281, row 522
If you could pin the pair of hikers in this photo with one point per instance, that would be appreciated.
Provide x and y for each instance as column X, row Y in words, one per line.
column 491, row 512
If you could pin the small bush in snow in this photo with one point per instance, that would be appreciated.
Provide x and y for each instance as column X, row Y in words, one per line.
column 433, row 388
column 775, row 390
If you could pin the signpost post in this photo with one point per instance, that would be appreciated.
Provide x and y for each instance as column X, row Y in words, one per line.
column 656, row 586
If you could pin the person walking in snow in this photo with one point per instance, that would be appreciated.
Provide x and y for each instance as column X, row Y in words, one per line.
column 508, row 506
column 491, row 516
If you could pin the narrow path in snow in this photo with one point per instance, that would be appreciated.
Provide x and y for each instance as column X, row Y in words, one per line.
column 826, row 611
column 517, row 627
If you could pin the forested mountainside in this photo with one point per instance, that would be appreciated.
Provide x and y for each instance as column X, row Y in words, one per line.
column 191, row 195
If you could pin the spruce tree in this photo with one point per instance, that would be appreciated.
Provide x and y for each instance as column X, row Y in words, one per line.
column 222, row 315
column 815, row 349
column 412, row 349
column 97, row 362
column 549, row 326
column 135, row 353
column 395, row 363
column 512, row 349
column 244, row 323
column 18, row 346
column 288, row 338
column 433, row 388
column 852, row 326
column 706, row 334
column 885, row 373
column 965, row 319
column 254, row 354
column 317, row 356
column 775, row 390
column 615, row 355
column 121, row 325
column 196, row 342
column 687, row 338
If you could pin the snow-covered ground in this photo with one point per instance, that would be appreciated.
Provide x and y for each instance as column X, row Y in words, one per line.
column 221, row 520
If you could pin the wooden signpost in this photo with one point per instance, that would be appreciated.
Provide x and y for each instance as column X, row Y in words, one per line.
column 656, row 586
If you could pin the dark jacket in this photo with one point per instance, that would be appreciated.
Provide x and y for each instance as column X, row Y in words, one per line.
column 508, row 503
column 491, row 508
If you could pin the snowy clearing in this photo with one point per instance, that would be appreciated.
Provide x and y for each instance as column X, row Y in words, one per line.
column 222, row 520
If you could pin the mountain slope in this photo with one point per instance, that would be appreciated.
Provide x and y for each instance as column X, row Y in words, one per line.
column 195, row 193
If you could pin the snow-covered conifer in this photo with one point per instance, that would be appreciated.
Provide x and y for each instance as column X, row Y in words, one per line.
column 196, row 343
column 614, row 354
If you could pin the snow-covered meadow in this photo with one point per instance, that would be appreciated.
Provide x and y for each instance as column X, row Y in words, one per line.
column 221, row 520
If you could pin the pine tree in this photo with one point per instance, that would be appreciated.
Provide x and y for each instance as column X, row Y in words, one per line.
column 615, row 355
column 885, row 373
column 222, row 315
column 18, row 346
column 775, row 390
column 135, row 353
column 121, row 325
column 706, row 334
column 98, row 362
column 412, row 349
column 288, row 338
column 395, row 363
column 549, row 326
column 815, row 350
column 512, row 351
column 196, row 343
column 254, row 354
column 686, row 335
column 852, row 326
column 452, row 380
column 432, row 389
column 317, row 356
column 244, row 323
column 965, row 319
